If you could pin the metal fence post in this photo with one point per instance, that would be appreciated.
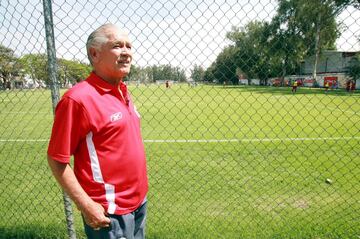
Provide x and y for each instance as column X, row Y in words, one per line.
column 55, row 96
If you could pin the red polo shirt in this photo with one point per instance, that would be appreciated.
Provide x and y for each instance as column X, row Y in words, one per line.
column 101, row 129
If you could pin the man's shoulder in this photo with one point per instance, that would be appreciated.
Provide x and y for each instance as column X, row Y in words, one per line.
column 79, row 91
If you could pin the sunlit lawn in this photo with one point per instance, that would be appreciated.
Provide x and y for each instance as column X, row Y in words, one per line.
column 223, row 162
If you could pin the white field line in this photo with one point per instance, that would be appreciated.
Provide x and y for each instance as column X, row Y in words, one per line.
column 209, row 140
column 246, row 140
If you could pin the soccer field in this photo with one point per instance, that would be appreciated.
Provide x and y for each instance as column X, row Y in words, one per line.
column 223, row 162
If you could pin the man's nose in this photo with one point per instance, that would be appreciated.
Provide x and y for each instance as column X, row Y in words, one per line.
column 125, row 50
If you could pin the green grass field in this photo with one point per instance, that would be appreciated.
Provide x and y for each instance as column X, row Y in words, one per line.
column 223, row 162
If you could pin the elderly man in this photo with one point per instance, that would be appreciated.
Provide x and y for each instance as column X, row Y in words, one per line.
column 97, row 123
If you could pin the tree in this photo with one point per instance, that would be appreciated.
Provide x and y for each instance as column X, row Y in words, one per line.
column 9, row 65
column 135, row 74
column 70, row 71
column 180, row 75
column 261, row 50
column 197, row 73
column 252, row 52
column 164, row 73
column 147, row 72
column 353, row 70
column 287, row 43
column 313, row 23
column 225, row 68
column 35, row 65
column 209, row 73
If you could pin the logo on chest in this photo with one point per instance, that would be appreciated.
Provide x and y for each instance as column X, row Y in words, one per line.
column 116, row 117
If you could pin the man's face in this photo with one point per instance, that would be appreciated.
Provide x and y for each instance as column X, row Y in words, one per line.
column 115, row 56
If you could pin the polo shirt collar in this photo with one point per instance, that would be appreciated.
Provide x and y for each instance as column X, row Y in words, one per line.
column 101, row 84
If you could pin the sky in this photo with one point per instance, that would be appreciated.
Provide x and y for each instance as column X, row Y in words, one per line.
column 181, row 33
column 350, row 37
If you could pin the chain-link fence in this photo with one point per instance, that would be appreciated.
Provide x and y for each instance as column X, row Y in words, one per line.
column 244, row 139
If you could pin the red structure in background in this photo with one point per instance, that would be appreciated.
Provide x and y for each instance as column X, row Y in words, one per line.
column 332, row 80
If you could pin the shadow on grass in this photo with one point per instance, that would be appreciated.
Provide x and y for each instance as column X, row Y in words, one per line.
column 31, row 231
column 287, row 90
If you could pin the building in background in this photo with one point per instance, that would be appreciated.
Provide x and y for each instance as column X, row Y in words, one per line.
column 332, row 68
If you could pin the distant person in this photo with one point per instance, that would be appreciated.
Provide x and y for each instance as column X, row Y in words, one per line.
column 167, row 84
column 326, row 86
column 348, row 86
column 97, row 122
column 334, row 85
column 294, row 87
column 352, row 86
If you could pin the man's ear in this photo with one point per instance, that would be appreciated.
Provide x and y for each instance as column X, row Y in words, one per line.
column 94, row 54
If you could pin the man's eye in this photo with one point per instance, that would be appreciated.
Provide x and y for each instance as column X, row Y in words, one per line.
column 121, row 46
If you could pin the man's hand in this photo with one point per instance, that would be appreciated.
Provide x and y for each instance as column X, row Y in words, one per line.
column 95, row 216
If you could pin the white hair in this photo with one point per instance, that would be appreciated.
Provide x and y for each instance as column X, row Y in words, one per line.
column 98, row 37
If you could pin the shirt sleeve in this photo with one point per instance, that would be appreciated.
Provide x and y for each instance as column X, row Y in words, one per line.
column 70, row 127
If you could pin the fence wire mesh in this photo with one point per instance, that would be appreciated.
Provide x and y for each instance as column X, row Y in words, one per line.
column 244, row 139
